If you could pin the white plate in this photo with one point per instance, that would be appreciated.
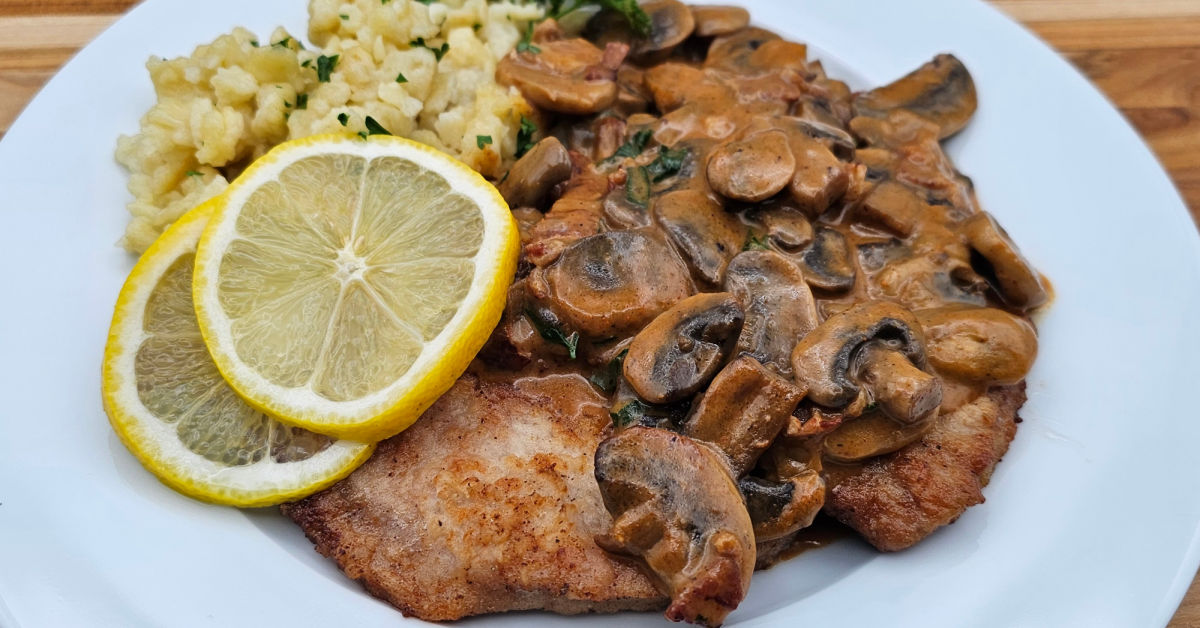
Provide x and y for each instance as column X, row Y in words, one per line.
column 1091, row 520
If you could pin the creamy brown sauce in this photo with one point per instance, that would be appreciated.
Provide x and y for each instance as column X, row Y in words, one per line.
column 863, row 272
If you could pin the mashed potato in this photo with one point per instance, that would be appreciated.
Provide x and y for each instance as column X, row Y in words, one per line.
column 424, row 71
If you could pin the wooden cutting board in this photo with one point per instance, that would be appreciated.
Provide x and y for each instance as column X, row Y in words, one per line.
column 1144, row 54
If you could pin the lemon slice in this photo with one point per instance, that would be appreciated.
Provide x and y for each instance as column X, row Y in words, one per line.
column 344, row 283
column 173, row 410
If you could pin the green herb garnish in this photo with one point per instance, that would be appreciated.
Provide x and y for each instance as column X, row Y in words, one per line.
column 483, row 140
column 282, row 43
column 629, row 9
column 551, row 333
column 301, row 101
column 400, row 78
column 635, row 145
column 668, row 163
column 343, row 118
column 374, row 128
column 325, row 66
column 755, row 243
column 438, row 53
column 194, row 173
column 606, row 378
column 631, row 413
column 525, row 136
column 637, row 186
column 526, row 43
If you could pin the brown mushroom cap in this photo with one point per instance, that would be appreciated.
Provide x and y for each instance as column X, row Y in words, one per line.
column 676, row 507
column 752, row 169
column 742, row 411
column 983, row 345
column 719, row 20
column 778, row 304
column 545, row 165
column 870, row 435
column 613, row 283
column 829, row 262
column 780, row 508
column 702, row 231
column 563, row 76
column 940, row 91
column 681, row 350
column 826, row 360
column 1002, row 263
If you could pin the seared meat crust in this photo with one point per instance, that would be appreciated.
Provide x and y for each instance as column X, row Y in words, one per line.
column 487, row 504
column 896, row 500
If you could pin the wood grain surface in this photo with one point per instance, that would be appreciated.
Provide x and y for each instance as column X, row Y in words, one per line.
column 1144, row 54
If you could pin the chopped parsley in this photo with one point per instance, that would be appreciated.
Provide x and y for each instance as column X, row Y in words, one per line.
column 343, row 16
column 438, row 53
column 282, row 43
column 325, row 66
column 194, row 173
column 525, row 136
column 483, row 140
column 301, row 101
column 400, row 78
column 755, row 243
column 306, row 63
column 526, row 43
column 629, row 9
column 343, row 118
column 606, row 378
column 631, row 413
column 374, row 128
column 635, row 145
column 551, row 333
column 668, row 163
column 637, row 186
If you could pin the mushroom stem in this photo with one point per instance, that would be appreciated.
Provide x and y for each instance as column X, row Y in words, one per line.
column 903, row 391
column 742, row 411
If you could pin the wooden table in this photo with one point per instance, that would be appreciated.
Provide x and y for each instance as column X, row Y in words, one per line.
column 1145, row 54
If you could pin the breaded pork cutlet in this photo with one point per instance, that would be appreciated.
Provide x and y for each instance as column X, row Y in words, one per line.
column 896, row 500
column 486, row 504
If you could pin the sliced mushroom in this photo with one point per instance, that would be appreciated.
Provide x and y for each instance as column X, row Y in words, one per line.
column 702, row 231
column 778, row 305
column 940, row 91
column 742, row 411
column 999, row 259
column 829, row 262
column 870, row 435
column 836, row 139
column 780, row 508
column 671, row 23
column 567, row 76
column 752, row 169
column 732, row 52
column 671, row 85
column 786, row 226
column 676, row 507
column 900, row 389
column 681, row 350
column 820, row 179
column 612, row 284
column 893, row 206
column 839, row 363
column 712, row 21
column 981, row 345
column 545, row 165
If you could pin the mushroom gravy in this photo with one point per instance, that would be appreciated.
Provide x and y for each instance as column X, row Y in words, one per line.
column 773, row 280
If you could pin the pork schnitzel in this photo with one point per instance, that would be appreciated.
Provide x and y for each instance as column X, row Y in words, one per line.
column 486, row 504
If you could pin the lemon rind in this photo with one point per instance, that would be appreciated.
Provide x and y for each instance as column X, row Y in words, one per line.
column 154, row 443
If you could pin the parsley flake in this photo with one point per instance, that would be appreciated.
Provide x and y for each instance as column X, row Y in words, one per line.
column 525, row 136
column 374, row 128
column 483, row 140
column 400, row 78
column 551, row 333
column 343, row 118
column 325, row 66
